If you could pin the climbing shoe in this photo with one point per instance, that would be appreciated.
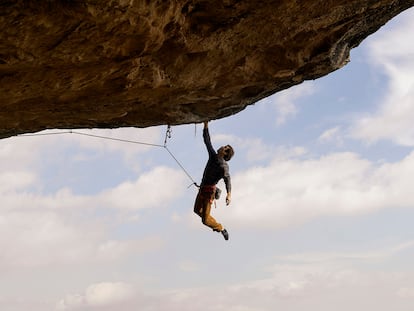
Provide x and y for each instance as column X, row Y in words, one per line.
column 225, row 234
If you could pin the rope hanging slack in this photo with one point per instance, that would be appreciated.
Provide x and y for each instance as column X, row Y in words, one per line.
column 168, row 135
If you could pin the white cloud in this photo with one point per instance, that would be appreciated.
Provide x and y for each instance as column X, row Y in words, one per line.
column 19, row 153
column 152, row 189
column 32, row 238
column 406, row 292
column 12, row 181
column 108, row 293
column 291, row 282
column 155, row 188
column 40, row 228
column 392, row 52
column 22, row 304
column 256, row 149
column 40, row 238
column 188, row 266
column 291, row 191
column 332, row 135
column 328, row 275
column 105, row 294
column 284, row 101
column 296, row 281
column 116, row 249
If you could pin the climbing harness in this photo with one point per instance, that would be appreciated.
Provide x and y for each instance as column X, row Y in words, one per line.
column 168, row 135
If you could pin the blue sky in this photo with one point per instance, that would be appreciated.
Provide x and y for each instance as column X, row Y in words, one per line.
column 321, row 216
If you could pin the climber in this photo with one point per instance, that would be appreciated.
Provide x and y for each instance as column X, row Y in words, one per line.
column 216, row 169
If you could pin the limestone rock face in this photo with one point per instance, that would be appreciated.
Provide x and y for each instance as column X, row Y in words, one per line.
column 115, row 63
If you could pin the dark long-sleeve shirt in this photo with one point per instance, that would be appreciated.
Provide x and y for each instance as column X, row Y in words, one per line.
column 216, row 168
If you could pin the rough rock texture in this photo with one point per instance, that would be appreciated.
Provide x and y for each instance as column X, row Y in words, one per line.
column 83, row 64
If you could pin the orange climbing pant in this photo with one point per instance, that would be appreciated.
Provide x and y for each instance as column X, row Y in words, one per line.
column 202, row 207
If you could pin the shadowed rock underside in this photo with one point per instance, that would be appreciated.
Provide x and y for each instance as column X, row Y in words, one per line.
column 108, row 64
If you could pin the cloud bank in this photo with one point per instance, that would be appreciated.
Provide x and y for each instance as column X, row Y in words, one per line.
column 392, row 52
column 290, row 191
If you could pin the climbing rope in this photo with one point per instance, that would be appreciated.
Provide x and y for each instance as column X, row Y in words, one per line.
column 91, row 135
column 182, row 167
column 168, row 135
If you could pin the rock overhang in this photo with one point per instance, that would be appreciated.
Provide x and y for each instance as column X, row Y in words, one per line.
column 108, row 64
